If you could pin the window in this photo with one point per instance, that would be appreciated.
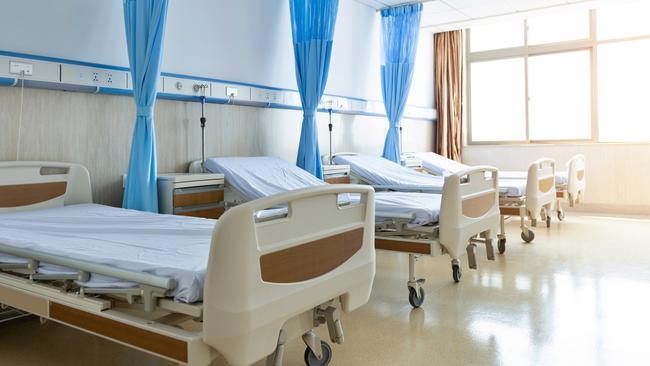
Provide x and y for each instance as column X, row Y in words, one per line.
column 498, row 115
column 623, row 95
column 558, row 27
column 496, row 36
column 559, row 92
column 573, row 76
column 624, row 21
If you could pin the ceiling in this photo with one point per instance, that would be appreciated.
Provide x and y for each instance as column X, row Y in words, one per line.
column 443, row 15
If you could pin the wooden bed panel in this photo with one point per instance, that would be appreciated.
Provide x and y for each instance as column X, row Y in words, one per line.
column 581, row 174
column 546, row 184
column 18, row 195
column 478, row 206
column 510, row 211
column 137, row 337
column 402, row 246
column 191, row 199
column 310, row 260
column 338, row 180
column 208, row 213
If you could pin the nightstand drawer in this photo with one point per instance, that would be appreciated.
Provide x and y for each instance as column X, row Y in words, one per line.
column 191, row 197
column 208, row 213
column 345, row 179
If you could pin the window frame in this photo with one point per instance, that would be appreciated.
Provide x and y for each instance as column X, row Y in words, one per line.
column 589, row 44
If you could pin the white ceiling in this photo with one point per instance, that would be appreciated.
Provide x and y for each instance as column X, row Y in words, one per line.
column 443, row 15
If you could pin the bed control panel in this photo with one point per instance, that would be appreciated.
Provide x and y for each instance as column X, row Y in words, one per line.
column 336, row 174
column 198, row 195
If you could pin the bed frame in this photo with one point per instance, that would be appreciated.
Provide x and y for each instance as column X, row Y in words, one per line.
column 469, row 215
column 266, row 282
column 574, row 190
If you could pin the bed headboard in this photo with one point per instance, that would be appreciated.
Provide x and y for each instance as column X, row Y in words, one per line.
column 29, row 185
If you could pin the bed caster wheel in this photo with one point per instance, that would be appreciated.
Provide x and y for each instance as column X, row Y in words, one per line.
column 416, row 297
column 456, row 272
column 548, row 221
column 560, row 215
column 312, row 360
column 501, row 245
column 42, row 320
column 528, row 238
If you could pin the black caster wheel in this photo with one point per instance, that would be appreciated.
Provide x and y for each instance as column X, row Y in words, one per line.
column 548, row 221
column 416, row 299
column 501, row 245
column 456, row 272
column 560, row 215
column 312, row 360
column 528, row 238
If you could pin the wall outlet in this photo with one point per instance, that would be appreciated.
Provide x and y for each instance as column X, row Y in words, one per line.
column 21, row 67
column 231, row 92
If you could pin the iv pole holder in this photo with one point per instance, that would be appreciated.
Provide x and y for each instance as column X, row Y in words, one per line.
column 201, row 89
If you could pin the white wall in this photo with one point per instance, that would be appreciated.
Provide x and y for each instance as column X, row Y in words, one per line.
column 243, row 40
column 617, row 174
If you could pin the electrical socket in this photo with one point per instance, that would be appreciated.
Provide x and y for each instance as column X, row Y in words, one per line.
column 231, row 92
column 21, row 67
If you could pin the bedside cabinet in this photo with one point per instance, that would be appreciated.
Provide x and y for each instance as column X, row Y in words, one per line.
column 187, row 194
column 336, row 174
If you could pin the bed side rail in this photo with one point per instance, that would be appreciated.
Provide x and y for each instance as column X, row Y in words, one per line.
column 28, row 185
column 470, row 205
column 261, row 274
column 540, row 186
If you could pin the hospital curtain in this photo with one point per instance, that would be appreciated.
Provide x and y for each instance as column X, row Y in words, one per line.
column 312, row 25
column 401, row 28
column 448, row 75
column 144, row 21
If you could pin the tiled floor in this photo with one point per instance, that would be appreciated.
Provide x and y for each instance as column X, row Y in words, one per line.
column 578, row 295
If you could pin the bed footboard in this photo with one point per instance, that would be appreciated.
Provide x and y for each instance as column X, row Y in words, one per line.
column 540, row 189
column 264, row 276
column 577, row 179
column 470, row 208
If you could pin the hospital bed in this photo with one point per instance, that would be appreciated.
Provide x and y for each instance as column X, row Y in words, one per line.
column 569, row 184
column 412, row 222
column 248, row 282
column 516, row 197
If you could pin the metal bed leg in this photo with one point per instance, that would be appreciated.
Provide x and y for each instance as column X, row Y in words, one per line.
column 471, row 256
column 276, row 358
column 416, row 292
column 489, row 248
column 527, row 235
column 455, row 269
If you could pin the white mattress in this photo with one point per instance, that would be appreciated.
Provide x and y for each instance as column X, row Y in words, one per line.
column 440, row 165
column 257, row 177
column 164, row 245
column 561, row 178
column 387, row 174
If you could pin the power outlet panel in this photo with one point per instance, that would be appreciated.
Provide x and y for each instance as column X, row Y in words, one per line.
column 82, row 75
column 21, row 68
column 267, row 96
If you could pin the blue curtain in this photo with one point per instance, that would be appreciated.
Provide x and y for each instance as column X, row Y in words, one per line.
column 401, row 27
column 312, row 25
column 145, row 28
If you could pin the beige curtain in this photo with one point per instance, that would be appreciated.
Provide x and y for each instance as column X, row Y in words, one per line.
column 448, row 76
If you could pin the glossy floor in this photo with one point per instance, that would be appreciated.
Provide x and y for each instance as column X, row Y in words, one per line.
column 579, row 295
